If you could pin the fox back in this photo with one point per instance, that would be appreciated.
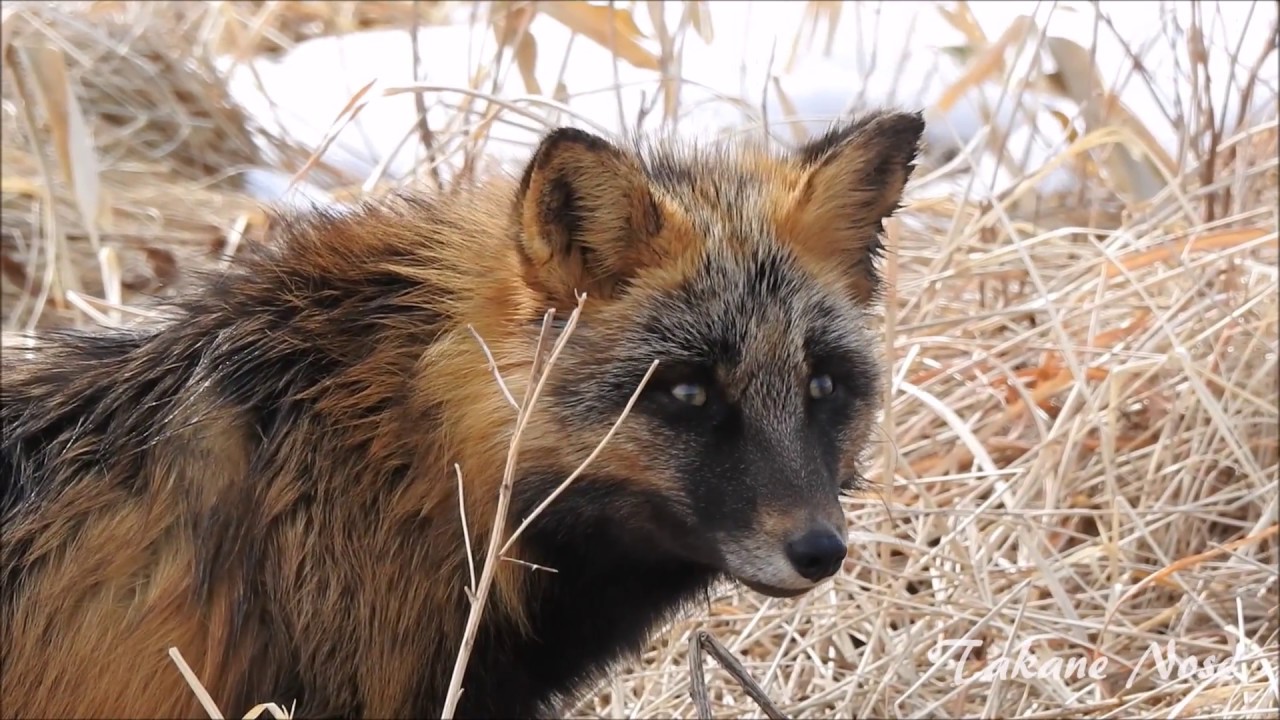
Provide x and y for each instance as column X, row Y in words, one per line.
column 293, row 479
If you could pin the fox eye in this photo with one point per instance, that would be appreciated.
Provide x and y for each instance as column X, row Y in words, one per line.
column 690, row 393
column 821, row 386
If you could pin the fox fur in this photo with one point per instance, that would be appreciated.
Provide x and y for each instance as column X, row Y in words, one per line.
column 269, row 480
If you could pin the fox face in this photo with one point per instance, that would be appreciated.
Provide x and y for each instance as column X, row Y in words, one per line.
column 748, row 276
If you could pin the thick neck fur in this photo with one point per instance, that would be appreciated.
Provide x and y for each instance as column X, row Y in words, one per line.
column 268, row 484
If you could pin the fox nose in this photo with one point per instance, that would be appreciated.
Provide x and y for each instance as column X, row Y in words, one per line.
column 817, row 554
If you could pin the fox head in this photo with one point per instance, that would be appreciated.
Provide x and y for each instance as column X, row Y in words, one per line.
column 747, row 275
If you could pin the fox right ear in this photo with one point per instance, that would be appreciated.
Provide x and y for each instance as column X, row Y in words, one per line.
column 586, row 216
column 855, row 175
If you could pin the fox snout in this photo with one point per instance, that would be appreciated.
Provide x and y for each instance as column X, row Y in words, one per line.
column 787, row 553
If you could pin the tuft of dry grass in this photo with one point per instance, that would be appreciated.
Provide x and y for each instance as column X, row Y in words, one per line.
column 117, row 138
column 1079, row 461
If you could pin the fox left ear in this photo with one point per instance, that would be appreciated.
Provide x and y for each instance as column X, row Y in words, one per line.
column 853, row 179
column 587, row 217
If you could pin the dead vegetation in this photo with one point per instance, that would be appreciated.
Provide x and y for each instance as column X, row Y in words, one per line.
column 1079, row 455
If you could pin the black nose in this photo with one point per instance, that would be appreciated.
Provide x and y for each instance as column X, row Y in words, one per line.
column 817, row 554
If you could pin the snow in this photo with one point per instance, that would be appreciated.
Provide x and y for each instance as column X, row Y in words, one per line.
column 883, row 54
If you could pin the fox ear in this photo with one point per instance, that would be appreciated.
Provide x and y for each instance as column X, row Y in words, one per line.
column 852, row 180
column 586, row 214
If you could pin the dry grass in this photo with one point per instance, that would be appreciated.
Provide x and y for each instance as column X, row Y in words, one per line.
column 1080, row 448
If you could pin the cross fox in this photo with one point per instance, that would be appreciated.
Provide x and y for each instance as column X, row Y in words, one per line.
column 267, row 482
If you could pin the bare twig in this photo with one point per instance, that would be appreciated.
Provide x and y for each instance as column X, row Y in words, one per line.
column 206, row 701
column 635, row 395
column 538, row 375
column 419, row 102
column 703, row 640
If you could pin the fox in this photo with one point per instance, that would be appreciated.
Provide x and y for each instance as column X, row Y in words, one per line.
column 292, row 478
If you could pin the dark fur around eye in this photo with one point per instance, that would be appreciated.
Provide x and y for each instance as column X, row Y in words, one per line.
column 852, row 387
column 849, row 372
column 668, row 375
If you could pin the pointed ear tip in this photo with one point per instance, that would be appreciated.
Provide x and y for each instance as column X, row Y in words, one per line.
column 906, row 129
column 902, row 125
column 570, row 135
column 565, row 132
column 564, row 142
column 909, row 124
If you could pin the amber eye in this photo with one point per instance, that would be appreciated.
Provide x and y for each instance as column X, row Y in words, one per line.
column 690, row 393
column 821, row 386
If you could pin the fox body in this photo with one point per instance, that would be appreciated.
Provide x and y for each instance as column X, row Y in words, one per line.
column 275, row 482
